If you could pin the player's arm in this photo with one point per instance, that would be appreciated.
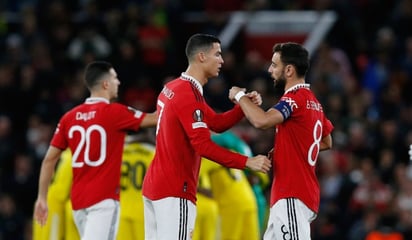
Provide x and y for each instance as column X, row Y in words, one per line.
column 46, row 173
column 220, row 122
column 326, row 143
column 198, row 130
column 256, row 115
column 149, row 120
column 192, row 117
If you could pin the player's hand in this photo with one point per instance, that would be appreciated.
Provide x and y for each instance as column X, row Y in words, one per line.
column 255, row 97
column 259, row 163
column 41, row 211
column 233, row 91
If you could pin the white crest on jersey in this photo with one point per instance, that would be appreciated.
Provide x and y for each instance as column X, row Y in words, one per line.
column 291, row 102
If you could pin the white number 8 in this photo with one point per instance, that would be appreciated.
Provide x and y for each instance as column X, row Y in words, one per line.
column 315, row 147
column 85, row 142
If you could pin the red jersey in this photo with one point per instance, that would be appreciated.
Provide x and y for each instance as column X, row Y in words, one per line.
column 183, row 137
column 95, row 132
column 296, row 146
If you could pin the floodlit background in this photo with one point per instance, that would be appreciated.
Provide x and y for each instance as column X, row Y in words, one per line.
column 361, row 71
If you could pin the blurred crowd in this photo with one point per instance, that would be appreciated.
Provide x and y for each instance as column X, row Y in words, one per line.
column 361, row 72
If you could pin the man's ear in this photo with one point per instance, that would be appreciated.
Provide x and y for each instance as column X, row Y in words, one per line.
column 201, row 56
column 105, row 84
column 289, row 70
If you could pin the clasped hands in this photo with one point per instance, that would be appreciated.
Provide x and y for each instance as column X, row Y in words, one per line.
column 235, row 92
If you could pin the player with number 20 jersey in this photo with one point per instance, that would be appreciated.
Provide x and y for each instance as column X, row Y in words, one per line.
column 95, row 132
column 90, row 124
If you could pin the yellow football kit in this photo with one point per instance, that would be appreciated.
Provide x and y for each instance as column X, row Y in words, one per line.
column 233, row 192
column 136, row 159
column 236, row 202
column 207, row 225
column 59, row 192
column 71, row 232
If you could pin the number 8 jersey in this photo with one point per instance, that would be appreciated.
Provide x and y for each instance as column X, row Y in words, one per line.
column 296, row 146
column 95, row 133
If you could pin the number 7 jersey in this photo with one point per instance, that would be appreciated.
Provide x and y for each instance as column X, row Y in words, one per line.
column 296, row 146
column 95, row 133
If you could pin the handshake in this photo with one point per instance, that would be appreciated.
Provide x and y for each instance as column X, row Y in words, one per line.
column 236, row 93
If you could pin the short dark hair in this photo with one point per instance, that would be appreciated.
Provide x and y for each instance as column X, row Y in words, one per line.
column 95, row 71
column 199, row 42
column 294, row 54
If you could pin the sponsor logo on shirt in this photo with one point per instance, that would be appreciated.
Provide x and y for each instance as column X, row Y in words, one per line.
column 291, row 102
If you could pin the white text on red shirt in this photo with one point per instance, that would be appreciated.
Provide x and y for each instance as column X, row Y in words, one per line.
column 85, row 116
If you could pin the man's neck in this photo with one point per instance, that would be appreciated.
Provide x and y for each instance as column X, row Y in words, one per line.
column 196, row 73
column 292, row 83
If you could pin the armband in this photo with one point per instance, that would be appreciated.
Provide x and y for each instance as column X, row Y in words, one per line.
column 284, row 108
column 239, row 95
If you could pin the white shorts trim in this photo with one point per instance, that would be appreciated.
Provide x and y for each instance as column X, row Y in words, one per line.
column 100, row 221
column 290, row 219
column 169, row 218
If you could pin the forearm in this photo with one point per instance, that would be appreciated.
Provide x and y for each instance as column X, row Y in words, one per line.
column 46, row 173
column 254, row 114
column 218, row 154
column 149, row 120
column 324, row 147
column 326, row 143
column 47, row 170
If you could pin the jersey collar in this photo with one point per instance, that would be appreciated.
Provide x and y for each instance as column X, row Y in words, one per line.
column 297, row 86
column 92, row 100
column 194, row 81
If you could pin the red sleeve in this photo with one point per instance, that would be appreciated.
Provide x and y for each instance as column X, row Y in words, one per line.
column 220, row 122
column 196, row 117
column 58, row 140
column 327, row 126
column 126, row 117
column 210, row 150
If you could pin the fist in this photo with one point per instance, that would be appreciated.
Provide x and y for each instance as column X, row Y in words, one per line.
column 233, row 91
column 255, row 97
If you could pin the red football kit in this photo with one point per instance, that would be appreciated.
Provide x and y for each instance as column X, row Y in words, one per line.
column 296, row 146
column 95, row 132
column 183, row 137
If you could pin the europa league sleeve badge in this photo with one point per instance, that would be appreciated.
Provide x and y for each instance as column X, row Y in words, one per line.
column 198, row 119
column 198, row 115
